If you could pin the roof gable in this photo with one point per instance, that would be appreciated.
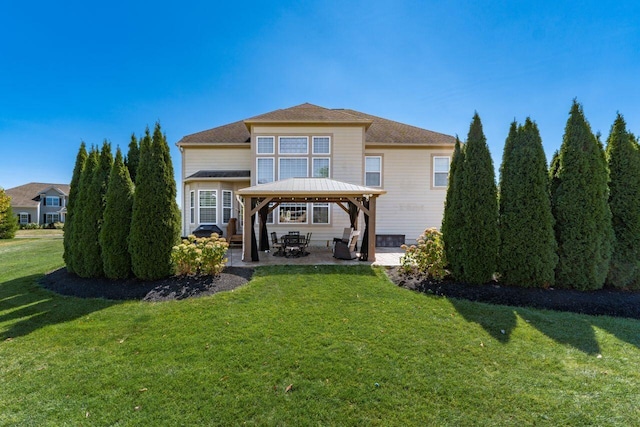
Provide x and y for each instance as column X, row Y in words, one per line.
column 28, row 195
column 378, row 130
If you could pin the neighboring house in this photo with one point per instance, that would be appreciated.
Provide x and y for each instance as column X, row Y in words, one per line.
column 410, row 164
column 39, row 203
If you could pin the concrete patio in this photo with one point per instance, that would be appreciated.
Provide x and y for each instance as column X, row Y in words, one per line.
column 317, row 256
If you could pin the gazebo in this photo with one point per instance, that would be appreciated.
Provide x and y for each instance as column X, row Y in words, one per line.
column 350, row 197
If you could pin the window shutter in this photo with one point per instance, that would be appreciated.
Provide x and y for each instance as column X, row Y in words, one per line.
column 29, row 218
column 44, row 201
column 59, row 201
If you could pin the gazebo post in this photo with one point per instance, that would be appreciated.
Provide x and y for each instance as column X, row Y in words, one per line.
column 246, row 229
column 372, row 228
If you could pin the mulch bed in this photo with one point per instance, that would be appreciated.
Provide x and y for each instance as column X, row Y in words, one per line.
column 602, row 302
column 609, row 302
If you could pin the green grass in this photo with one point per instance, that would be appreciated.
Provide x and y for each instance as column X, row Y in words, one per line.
column 333, row 332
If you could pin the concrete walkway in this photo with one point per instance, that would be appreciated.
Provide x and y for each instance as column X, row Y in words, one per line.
column 317, row 256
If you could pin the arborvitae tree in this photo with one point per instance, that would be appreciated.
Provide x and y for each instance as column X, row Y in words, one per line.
column 84, row 188
column 453, row 218
column 93, row 212
column 114, row 234
column 527, row 242
column 624, row 200
column 8, row 221
column 579, row 201
column 155, row 224
column 133, row 157
column 480, row 209
column 70, row 235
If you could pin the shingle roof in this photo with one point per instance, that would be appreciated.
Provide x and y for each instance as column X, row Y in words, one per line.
column 28, row 195
column 221, row 174
column 378, row 129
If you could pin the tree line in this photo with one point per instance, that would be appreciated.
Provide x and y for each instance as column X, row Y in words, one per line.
column 573, row 225
column 122, row 216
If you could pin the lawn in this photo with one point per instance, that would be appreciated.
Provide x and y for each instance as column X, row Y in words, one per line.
column 303, row 345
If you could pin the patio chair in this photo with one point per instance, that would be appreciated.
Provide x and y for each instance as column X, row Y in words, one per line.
column 342, row 250
column 346, row 233
column 305, row 244
column 276, row 245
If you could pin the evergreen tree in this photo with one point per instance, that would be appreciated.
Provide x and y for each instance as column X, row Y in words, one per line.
column 453, row 218
column 93, row 213
column 480, row 209
column 114, row 234
column 527, row 240
column 579, row 201
column 84, row 188
column 70, row 235
column 624, row 200
column 8, row 221
column 155, row 224
column 133, row 157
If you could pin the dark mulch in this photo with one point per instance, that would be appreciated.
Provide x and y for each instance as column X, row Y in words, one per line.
column 608, row 302
column 171, row 288
column 602, row 302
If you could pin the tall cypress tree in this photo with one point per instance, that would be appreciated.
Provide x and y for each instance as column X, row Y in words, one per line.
column 480, row 209
column 527, row 241
column 70, row 234
column 133, row 157
column 579, row 201
column 8, row 221
column 114, row 234
column 155, row 224
column 624, row 201
column 453, row 217
column 80, row 207
column 93, row 213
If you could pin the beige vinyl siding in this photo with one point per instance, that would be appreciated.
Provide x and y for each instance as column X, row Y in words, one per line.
column 219, row 186
column 410, row 205
column 215, row 158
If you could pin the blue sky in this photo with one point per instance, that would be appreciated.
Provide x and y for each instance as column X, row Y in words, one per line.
column 84, row 71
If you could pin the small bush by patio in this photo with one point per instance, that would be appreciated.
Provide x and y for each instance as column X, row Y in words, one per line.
column 427, row 256
column 200, row 256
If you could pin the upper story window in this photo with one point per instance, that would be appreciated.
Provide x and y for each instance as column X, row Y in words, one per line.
column 208, row 200
column 52, row 201
column 320, row 167
column 293, row 167
column 293, row 145
column 321, row 145
column 373, row 171
column 265, row 145
column 265, row 170
column 441, row 171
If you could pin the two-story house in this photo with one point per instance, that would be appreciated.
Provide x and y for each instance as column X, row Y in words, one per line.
column 39, row 203
column 405, row 166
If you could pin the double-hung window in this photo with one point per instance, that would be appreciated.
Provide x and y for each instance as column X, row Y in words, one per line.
column 52, row 201
column 227, row 205
column 208, row 202
column 50, row 218
column 24, row 218
column 192, row 207
column 373, row 171
column 441, row 171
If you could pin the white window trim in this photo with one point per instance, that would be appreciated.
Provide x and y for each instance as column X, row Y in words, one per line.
column 313, row 145
column 280, row 159
column 328, row 213
column 273, row 168
column 365, row 171
column 306, row 219
column 313, row 160
column 215, row 193
column 433, row 171
column 26, row 216
column 293, row 154
column 272, row 152
column 230, row 207
column 56, row 198
column 51, row 215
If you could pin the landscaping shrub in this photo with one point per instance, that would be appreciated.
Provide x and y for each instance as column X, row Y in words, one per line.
column 70, row 234
column 200, row 256
column 453, row 218
column 30, row 226
column 527, row 241
column 426, row 257
column 624, row 200
column 8, row 221
column 579, row 200
column 77, row 263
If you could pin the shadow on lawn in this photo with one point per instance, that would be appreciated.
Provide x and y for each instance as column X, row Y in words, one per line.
column 26, row 307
